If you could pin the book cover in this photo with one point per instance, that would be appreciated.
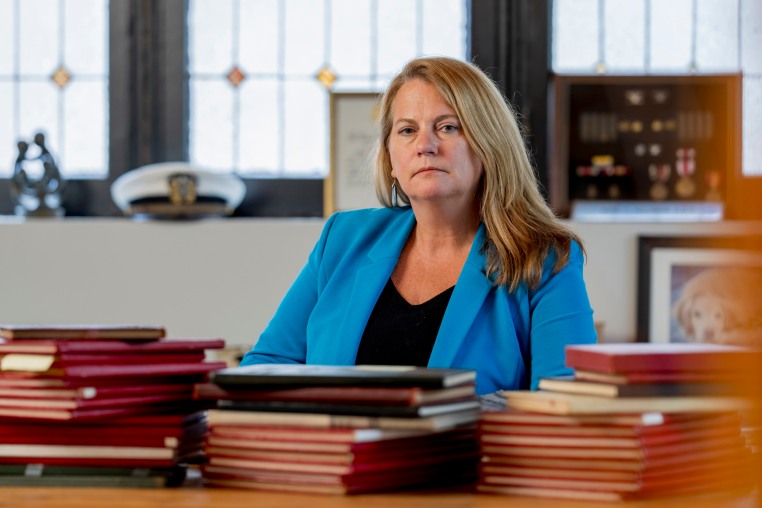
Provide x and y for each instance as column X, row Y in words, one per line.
column 95, row 392
column 73, row 404
column 567, row 403
column 403, row 395
column 40, row 475
column 570, row 384
column 81, row 331
column 325, row 375
column 94, row 414
column 654, row 357
column 708, row 376
column 91, row 372
column 315, row 420
column 298, row 436
column 338, row 409
column 54, row 347
column 61, row 362
column 35, row 381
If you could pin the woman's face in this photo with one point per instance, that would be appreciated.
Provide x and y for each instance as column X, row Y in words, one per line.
column 431, row 158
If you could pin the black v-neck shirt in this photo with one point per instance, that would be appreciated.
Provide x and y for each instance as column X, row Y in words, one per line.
column 399, row 333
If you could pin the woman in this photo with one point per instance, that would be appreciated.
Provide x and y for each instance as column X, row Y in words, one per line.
column 475, row 273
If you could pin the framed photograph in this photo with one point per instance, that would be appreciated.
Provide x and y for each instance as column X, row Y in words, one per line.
column 353, row 135
column 700, row 289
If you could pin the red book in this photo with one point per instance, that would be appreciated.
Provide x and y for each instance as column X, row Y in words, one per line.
column 55, row 363
column 93, row 414
column 53, row 347
column 129, row 371
column 73, row 404
column 26, row 380
column 81, row 331
column 94, row 392
column 651, row 357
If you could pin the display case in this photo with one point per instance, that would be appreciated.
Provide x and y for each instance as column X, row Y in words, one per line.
column 652, row 142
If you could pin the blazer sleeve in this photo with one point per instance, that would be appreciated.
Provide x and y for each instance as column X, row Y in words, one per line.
column 284, row 340
column 560, row 315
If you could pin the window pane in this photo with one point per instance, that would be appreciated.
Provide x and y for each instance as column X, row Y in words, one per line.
column 39, row 37
column 304, row 36
column 351, row 37
column 575, row 36
column 86, row 36
column 671, row 36
column 85, row 119
column 38, row 112
column 306, row 115
column 211, row 124
column 259, row 46
column 7, row 17
column 261, row 125
column 752, row 126
column 7, row 135
column 210, row 36
column 624, row 43
column 751, row 36
column 396, row 35
column 442, row 30
column 717, row 36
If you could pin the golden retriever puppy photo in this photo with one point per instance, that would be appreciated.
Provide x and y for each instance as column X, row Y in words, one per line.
column 723, row 306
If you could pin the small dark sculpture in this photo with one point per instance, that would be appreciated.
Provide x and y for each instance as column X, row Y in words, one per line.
column 40, row 196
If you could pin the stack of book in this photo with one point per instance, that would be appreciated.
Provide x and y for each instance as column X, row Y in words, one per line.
column 99, row 405
column 340, row 430
column 636, row 420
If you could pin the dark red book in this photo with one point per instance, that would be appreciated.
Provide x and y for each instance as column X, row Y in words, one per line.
column 393, row 396
column 653, row 357
column 53, row 347
column 74, row 404
column 25, row 362
column 91, row 372
column 94, row 392
column 94, row 414
column 81, row 331
column 32, row 381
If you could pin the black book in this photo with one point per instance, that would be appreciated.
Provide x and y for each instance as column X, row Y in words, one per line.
column 257, row 376
column 338, row 409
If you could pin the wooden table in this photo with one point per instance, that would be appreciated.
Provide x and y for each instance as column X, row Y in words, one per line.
column 200, row 497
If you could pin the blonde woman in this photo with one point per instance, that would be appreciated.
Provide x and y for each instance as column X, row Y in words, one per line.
column 464, row 266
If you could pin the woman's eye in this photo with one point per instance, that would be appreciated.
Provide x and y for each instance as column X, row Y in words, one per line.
column 406, row 131
column 449, row 128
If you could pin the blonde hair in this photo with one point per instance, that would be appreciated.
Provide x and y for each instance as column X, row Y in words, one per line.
column 521, row 228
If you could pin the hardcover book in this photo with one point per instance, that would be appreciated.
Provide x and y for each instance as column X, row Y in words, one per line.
column 59, row 363
column 567, row 403
column 146, row 370
column 57, row 347
column 652, row 357
column 324, row 375
column 315, row 420
column 81, row 331
column 338, row 409
column 570, row 384
column 402, row 396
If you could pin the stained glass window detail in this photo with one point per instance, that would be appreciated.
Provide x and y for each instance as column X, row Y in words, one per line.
column 667, row 37
column 291, row 55
column 54, row 79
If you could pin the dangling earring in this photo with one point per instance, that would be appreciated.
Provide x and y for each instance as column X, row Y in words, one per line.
column 394, row 194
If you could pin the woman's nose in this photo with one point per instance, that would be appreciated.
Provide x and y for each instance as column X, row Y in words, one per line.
column 428, row 144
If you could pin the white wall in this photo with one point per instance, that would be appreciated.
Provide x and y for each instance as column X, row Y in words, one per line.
column 224, row 278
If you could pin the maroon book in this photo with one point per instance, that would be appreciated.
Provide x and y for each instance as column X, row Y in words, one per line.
column 74, row 404
column 109, row 346
column 652, row 357
column 94, row 392
column 128, row 371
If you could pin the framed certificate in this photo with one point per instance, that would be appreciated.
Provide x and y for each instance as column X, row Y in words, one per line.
column 353, row 135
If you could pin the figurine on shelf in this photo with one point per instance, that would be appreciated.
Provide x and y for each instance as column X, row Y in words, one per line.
column 37, row 185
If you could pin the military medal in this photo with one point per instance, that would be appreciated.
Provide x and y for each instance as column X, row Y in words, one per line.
column 685, row 166
column 713, row 180
column 659, row 174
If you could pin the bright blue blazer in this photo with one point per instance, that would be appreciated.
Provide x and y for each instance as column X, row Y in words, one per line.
column 510, row 338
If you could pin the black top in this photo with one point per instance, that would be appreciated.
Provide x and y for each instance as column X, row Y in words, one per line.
column 399, row 333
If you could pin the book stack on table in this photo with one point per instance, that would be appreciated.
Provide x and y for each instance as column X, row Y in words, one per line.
column 100, row 405
column 635, row 421
column 340, row 430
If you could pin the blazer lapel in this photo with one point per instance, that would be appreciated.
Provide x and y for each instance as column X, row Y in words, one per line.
column 467, row 298
column 370, row 280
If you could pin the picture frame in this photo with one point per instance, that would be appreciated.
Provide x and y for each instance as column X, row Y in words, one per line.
column 353, row 133
column 672, row 269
